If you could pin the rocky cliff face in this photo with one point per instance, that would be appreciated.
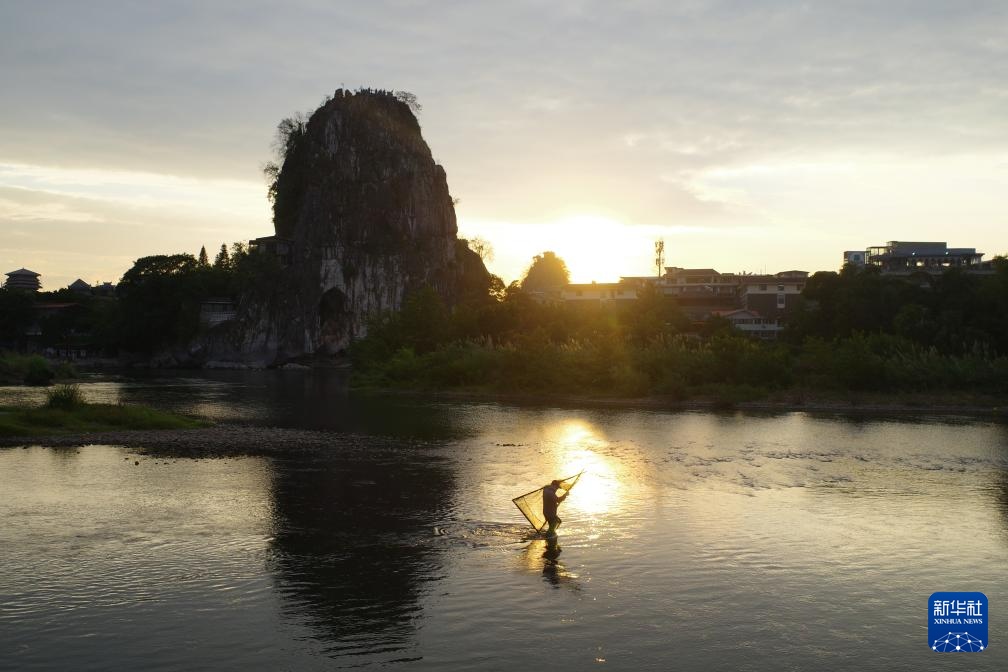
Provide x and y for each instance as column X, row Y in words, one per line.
column 368, row 218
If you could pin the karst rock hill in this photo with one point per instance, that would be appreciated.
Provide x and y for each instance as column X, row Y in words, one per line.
column 363, row 217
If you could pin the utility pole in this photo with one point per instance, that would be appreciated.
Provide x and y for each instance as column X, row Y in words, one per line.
column 659, row 248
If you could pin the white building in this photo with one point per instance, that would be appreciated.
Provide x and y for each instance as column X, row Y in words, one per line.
column 599, row 292
column 751, row 323
column 215, row 311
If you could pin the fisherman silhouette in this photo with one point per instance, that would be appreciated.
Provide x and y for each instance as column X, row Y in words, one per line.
column 550, row 503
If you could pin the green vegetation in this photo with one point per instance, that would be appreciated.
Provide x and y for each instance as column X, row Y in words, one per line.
column 66, row 412
column 863, row 334
column 722, row 367
column 160, row 296
column 31, row 370
column 158, row 305
column 955, row 313
column 64, row 396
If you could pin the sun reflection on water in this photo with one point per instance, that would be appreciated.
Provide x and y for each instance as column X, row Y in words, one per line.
column 580, row 446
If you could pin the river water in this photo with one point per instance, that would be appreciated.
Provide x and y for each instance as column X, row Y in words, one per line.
column 694, row 540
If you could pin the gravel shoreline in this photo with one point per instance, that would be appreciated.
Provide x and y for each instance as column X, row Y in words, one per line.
column 228, row 439
column 219, row 440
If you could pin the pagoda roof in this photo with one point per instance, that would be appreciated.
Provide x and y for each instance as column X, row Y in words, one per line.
column 25, row 271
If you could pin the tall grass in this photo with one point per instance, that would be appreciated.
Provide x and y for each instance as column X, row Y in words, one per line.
column 64, row 396
column 70, row 414
column 722, row 367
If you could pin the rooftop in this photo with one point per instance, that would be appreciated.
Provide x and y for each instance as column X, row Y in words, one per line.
column 25, row 271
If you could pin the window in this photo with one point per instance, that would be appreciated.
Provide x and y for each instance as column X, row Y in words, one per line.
column 762, row 288
column 781, row 300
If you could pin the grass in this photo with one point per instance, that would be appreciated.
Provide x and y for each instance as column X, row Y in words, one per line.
column 66, row 412
column 18, row 369
column 64, row 396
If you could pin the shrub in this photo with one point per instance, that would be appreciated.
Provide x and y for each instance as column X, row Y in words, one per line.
column 38, row 371
column 64, row 397
column 65, row 370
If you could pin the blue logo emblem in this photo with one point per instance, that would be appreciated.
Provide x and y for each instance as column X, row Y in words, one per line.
column 957, row 622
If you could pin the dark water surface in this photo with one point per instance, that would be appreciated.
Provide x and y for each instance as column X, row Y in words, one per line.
column 695, row 541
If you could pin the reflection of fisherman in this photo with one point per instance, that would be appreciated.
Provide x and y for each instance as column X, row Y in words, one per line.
column 550, row 503
column 552, row 569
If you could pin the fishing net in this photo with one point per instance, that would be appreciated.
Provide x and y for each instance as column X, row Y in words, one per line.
column 531, row 504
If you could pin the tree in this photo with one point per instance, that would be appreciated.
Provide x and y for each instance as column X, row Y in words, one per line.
column 547, row 271
column 481, row 247
column 204, row 261
column 411, row 101
column 159, row 300
column 222, row 261
column 17, row 312
column 653, row 314
column 289, row 133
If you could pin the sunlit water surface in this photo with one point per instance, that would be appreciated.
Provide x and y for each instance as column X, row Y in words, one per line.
column 694, row 541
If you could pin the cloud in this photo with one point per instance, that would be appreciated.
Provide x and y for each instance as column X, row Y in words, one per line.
column 69, row 223
column 645, row 111
column 143, row 190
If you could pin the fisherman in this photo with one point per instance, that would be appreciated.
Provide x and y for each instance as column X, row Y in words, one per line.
column 550, row 503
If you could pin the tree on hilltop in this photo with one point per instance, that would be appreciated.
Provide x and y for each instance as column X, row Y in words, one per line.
column 481, row 247
column 547, row 271
column 410, row 99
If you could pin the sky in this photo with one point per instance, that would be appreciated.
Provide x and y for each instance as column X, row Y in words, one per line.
column 749, row 136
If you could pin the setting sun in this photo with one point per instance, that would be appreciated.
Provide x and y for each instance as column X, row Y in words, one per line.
column 594, row 247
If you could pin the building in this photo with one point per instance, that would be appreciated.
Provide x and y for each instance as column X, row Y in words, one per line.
column 699, row 282
column 275, row 245
column 854, row 258
column 23, row 279
column 217, row 310
column 907, row 257
column 80, row 287
column 752, row 323
column 106, row 289
column 550, row 296
column 598, row 292
column 700, row 292
column 755, row 304
column 772, row 296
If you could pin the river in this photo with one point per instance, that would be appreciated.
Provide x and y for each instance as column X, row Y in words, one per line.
column 694, row 540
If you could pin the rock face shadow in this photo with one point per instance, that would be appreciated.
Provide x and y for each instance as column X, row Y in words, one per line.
column 351, row 552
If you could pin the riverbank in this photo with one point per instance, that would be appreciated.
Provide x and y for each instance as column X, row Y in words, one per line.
column 785, row 402
column 216, row 441
column 84, row 419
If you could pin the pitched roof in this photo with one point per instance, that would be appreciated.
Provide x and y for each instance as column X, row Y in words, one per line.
column 24, row 271
column 692, row 271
